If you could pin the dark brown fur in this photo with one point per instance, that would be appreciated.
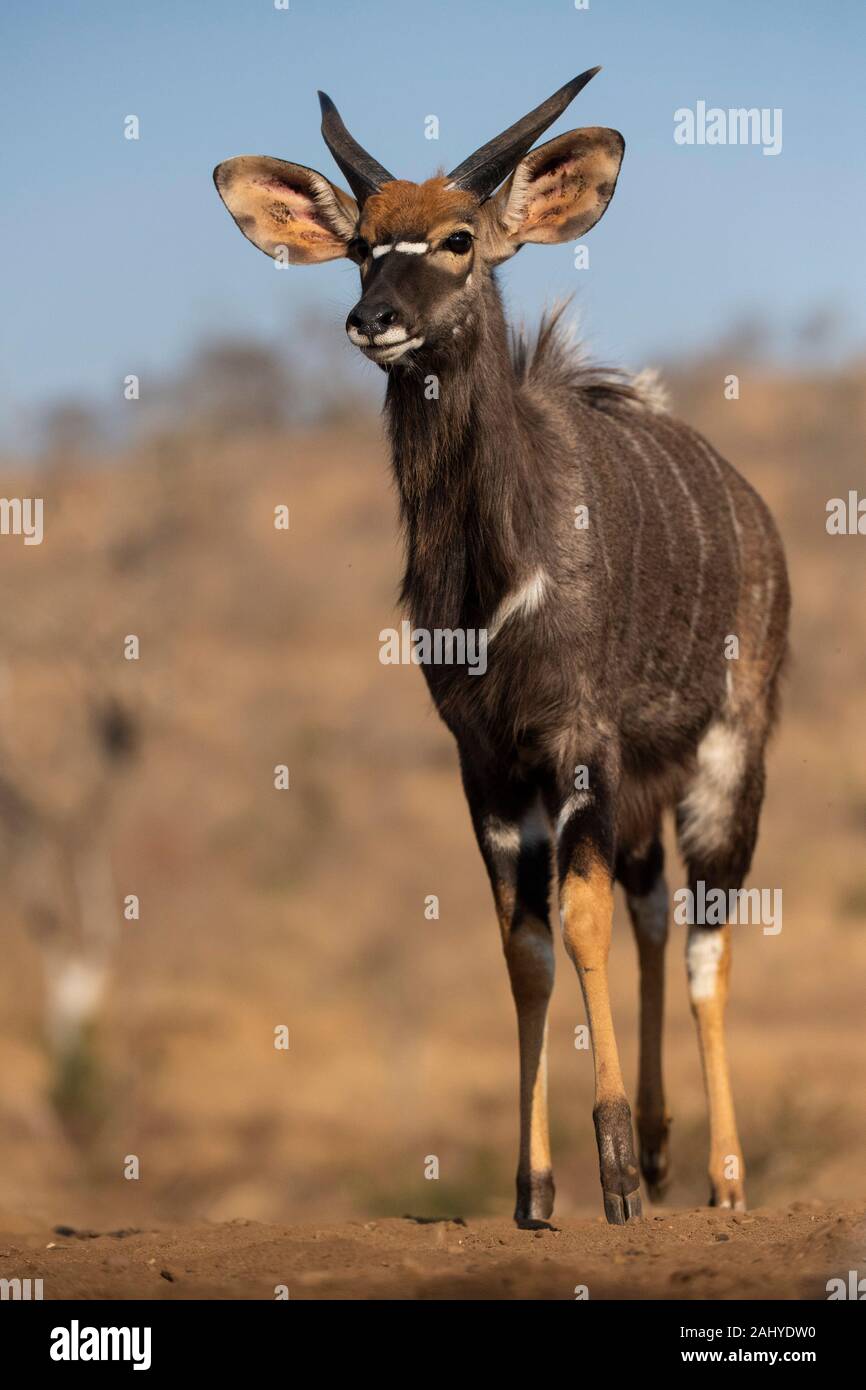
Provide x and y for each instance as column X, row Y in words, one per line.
column 622, row 669
column 489, row 477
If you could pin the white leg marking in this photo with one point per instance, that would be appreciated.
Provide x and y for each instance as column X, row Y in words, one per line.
column 502, row 835
column 510, row 837
column 703, row 954
column 709, row 803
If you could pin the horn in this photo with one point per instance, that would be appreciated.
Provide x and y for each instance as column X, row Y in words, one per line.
column 364, row 174
column 484, row 170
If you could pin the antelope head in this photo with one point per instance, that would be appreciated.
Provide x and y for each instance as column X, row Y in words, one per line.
column 424, row 250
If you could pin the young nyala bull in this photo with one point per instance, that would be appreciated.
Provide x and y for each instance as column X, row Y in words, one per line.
column 609, row 553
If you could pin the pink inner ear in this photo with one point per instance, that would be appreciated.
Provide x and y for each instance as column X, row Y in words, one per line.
column 557, row 170
column 298, row 203
column 553, row 192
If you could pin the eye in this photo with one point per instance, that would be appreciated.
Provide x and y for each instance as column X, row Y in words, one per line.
column 458, row 242
column 359, row 248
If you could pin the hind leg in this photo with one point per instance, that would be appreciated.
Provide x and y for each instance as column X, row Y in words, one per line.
column 641, row 873
column 585, row 861
column 717, row 823
column 708, row 957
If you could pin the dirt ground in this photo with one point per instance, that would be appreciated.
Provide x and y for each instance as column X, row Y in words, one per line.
column 305, row 909
column 698, row 1254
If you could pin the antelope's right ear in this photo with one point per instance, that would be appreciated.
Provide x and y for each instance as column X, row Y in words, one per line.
column 286, row 210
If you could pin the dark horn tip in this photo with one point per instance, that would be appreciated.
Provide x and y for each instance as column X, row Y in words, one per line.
column 327, row 106
column 484, row 170
column 583, row 77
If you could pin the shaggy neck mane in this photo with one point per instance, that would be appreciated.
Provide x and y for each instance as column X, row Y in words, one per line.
column 460, row 466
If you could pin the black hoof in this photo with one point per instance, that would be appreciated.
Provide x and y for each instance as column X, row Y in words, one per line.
column 617, row 1162
column 620, row 1210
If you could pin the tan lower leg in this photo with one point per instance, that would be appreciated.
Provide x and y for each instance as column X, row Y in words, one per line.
column 708, row 955
column 587, row 917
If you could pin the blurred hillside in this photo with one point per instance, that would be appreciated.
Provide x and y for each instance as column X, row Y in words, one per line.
column 305, row 907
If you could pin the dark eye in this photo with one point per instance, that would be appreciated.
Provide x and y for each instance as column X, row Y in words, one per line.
column 458, row 242
column 359, row 248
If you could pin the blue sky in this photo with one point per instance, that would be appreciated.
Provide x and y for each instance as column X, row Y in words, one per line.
column 119, row 256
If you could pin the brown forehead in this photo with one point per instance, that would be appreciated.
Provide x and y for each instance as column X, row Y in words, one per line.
column 414, row 209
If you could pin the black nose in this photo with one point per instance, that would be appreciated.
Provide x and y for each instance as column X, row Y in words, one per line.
column 372, row 318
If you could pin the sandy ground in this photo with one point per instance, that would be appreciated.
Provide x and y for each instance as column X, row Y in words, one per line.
column 698, row 1254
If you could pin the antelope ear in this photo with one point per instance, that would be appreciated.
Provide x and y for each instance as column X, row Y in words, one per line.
column 556, row 193
column 287, row 210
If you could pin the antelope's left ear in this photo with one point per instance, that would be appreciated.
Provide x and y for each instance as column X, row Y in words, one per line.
column 556, row 193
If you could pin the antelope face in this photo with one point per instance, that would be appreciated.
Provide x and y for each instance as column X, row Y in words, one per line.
column 417, row 251
column 423, row 250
